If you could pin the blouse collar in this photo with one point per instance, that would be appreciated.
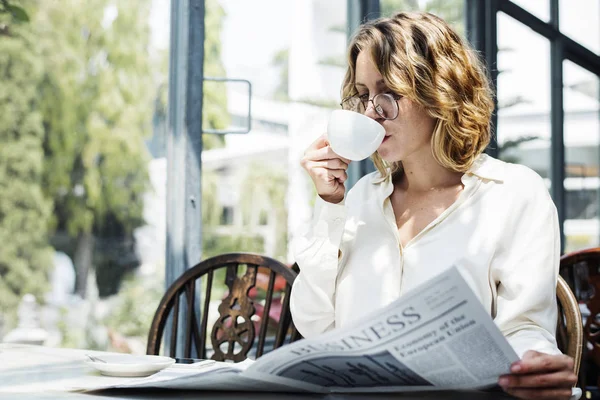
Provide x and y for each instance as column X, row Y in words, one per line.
column 484, row 167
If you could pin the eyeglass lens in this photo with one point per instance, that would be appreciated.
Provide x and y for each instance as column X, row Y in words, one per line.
column 384, row 104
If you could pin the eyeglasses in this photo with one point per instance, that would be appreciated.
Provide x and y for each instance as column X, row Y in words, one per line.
column 384, row 104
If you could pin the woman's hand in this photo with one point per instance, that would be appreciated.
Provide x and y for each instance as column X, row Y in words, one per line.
column 326, row 169
column 540, row 376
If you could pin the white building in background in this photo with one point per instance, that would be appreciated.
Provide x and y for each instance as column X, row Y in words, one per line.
column 265, row 146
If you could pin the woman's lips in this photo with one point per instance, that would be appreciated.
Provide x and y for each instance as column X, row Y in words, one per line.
column 385, row 138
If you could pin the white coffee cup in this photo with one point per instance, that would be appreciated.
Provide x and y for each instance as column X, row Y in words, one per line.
column 353, row 135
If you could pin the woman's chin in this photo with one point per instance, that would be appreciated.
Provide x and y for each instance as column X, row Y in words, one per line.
column 388, row 156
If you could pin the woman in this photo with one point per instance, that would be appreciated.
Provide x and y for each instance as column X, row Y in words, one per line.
column 435, row 201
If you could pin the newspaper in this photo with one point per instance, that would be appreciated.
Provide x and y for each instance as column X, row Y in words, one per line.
column 438, row 336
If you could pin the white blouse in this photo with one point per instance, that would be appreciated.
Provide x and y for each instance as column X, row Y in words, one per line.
column 502, row 233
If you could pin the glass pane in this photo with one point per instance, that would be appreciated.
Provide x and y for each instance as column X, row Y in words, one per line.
column 82, row 172
column 256, row 196
column 245, row 176
column 580, row 20
column 582, row 141
column 523, row 96
column 539, row 8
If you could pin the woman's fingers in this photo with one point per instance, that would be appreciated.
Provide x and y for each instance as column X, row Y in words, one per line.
column 540, row 376
column 535, row 362
column 327, row 174
column 328, row 164
column 326, row 169
column 320, row 142
column 554, row 394
column 323, row 153
column 564, row 378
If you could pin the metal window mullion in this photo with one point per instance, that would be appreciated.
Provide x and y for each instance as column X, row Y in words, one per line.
column 359, row 11
column 353, row 20
column 527, row 19
column 475, row 16
column 554, row 14
column 371, row 9
column 557, row 148
column 572, row 50
column 491, row 58
column 175, row 234
column 184, row 146
column 581, row 56
column 193, row 123
column 482, row 26
column 557, row 119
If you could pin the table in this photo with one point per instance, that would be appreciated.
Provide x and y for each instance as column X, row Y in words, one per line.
column 33, row 372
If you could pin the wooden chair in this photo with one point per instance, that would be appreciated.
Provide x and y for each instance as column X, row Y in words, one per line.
column 233, row 334
column 581, row 271
column 569, row 330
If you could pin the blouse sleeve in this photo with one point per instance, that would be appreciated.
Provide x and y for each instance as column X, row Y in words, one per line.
column 312, row 297
column 525, row 268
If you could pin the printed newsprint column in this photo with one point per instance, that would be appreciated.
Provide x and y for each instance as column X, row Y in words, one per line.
column 436, row 336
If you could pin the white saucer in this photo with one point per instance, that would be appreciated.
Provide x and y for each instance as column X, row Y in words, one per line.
column 129, row 365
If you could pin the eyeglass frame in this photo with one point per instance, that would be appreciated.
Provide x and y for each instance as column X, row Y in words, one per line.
column 365, row 104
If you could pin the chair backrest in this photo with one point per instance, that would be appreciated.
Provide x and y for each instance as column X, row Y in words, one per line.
column 241, row 315
column 581, row 270
column 569, row 330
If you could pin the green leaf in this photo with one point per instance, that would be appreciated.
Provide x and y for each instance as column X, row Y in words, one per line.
column 334, row 61
column 337, row 28
column 18, row 13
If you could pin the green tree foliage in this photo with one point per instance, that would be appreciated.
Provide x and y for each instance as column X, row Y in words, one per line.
column 263, row 182
column 214, row 103
column 135, row 307
column 96, row 96
column 262, row 199
column 138, row 300
column 76, row 90
column 389, row 7
column 282, row 61
column 25, row 256
column 211, row 207
column 15, row 12
column 214, row 243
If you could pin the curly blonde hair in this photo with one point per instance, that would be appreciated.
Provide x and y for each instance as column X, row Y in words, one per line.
column 423, row 59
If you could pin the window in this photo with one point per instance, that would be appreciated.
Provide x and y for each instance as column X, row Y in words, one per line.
column 523, row 92
column 85, row 181
column 582, row 158
column 580, row 20
column 539, row 8
column 227, row 215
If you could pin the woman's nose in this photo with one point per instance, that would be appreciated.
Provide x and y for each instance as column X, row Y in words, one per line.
column 370, row 111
